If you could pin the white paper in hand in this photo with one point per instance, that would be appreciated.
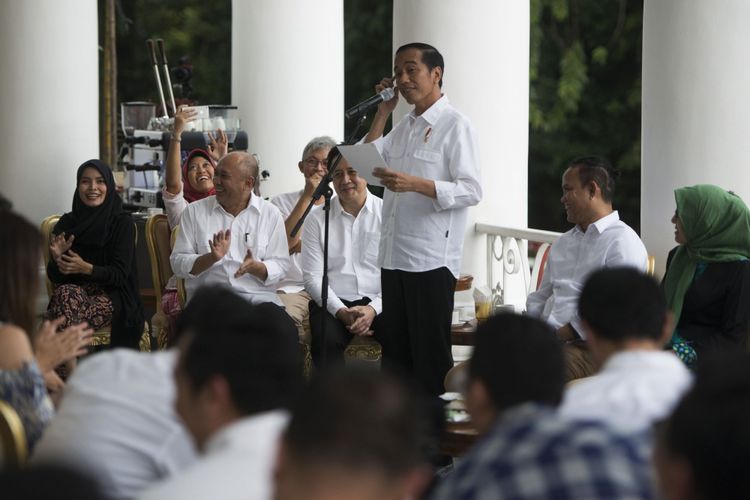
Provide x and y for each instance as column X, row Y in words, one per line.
column 364, row 158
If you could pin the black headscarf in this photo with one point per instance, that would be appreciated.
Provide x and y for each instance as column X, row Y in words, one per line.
column 93, row 228
column 92, row 225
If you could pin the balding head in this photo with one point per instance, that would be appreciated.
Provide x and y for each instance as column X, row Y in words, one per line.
column 236, row 176
column 246, row 162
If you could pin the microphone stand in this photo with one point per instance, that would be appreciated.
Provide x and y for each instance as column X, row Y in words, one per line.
column 323, row 189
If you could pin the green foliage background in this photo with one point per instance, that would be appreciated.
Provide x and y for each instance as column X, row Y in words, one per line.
column 200, row 30
column 585, row 78
column 585, row 98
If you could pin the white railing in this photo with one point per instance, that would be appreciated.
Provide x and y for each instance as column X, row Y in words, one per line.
column 508, row 247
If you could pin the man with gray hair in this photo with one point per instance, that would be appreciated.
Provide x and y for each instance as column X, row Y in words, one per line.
column 234, row 238
column 313, row 166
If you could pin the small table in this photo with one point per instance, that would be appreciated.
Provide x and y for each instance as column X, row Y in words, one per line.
column 463, row 333
column 458, row 438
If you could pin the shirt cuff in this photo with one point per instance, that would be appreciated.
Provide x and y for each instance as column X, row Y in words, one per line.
column 334, row 304
column 97, row 273
column 169, row 196
column 444, row 198
column 377, row 304
column 185, row 265
column 274, row 272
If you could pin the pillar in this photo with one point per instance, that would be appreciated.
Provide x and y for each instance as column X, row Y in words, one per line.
column 49, row 101
column 695, row 107
column 288, row 80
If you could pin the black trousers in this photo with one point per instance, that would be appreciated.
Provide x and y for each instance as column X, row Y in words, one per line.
column 416, row 328
column 337, row 336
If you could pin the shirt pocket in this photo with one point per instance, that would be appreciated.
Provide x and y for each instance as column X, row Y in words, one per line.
column 258, row 245
column 261, row 249
column 428, row 155
column 372, row 246
column 427, row 163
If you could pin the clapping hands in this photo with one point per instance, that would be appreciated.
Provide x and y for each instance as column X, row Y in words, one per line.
column 59, row 245
column 218, row 146
column 53, row 348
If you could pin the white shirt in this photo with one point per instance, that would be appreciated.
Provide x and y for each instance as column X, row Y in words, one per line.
column 237, row 464
column 117, row 422
column 421, row 233
column 633, row 390
column 353, row 270
column 259, row 227
column 293, row 282
column 174, row 204
column 608, row 242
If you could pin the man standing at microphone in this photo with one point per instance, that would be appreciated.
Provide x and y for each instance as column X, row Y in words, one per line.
column 432, row 179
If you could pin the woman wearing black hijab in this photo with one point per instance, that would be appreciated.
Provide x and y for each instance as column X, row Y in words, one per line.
column 92, row 260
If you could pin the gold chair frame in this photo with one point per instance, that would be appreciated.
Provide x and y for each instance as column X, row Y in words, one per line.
column 161, row 272
column 12, row 437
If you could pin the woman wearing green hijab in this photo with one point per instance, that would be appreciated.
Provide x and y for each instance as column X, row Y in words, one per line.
column 707, row 283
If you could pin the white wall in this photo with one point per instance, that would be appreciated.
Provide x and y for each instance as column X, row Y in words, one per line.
column 696, row 100
column 49, row 101
column 288, row 80
column 485, row 44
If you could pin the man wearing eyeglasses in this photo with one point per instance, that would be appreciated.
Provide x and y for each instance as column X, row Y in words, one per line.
column 313, row 166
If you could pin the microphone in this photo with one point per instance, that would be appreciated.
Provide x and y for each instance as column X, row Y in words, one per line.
column 363, row 107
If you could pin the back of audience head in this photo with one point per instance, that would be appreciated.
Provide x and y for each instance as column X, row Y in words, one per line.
column 598, row 170
column 5, row 204
column 703, row 448
column 48, row 482
column 620, row 305
column 236, row 360
column 20, row 257
column 357, row 434
column 516, row 360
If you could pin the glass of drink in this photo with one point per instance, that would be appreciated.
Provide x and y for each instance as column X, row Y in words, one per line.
column 482, row 309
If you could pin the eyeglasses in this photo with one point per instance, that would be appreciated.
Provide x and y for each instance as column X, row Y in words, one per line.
column 314, row 162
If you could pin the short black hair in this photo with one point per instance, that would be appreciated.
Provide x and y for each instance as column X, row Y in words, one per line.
column 622, row 303
column 362, row 419
column 519, row 360
column 431, row 57
column 710, row 427
column 5, row 204
column 48, row 482
column 209, row 307
column 254, row 347
column 600, row 171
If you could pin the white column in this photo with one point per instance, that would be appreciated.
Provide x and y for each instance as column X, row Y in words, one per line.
column 696, row 100
column 49, row 101
column 485, row 44
column 288, row 80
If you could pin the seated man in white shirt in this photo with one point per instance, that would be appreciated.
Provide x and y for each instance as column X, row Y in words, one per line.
column 235, row 238
column 234, row 382
column 599, row 239
column 627, row 324
column 292, row 205
column 354, row 298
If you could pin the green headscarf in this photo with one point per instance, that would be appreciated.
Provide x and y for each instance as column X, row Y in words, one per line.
column 717, row 228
